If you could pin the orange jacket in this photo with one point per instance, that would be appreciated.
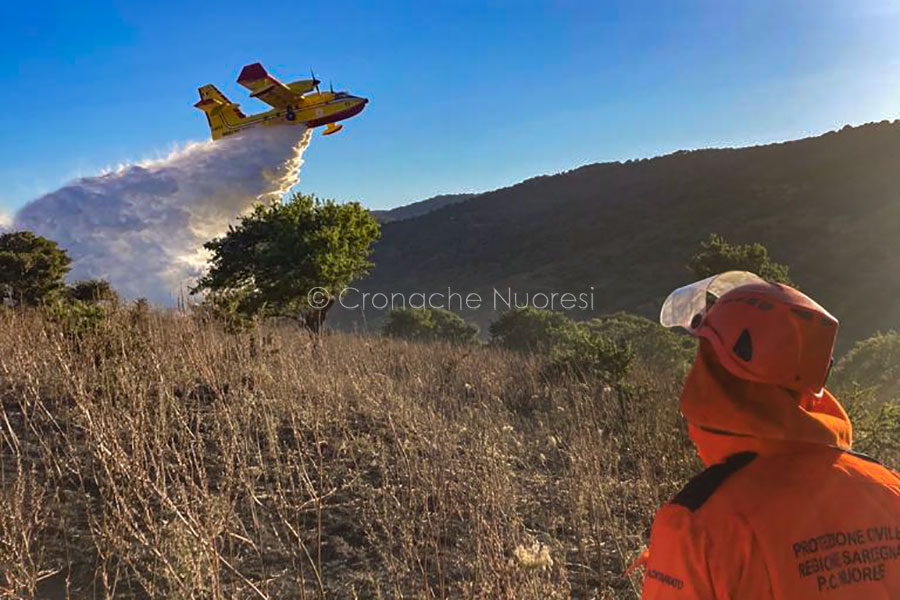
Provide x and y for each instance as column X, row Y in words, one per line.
column 786, row 511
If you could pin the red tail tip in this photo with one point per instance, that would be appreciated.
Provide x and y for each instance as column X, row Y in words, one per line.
column 252, row 73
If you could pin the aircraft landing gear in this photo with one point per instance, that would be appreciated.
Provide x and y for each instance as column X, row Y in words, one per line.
column 290, row 115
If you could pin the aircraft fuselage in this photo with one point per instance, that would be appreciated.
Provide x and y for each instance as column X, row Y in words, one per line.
column 316, row 110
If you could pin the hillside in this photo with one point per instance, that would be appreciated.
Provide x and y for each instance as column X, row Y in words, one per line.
column 422, row 207
column 828, row 206
column 156, row 455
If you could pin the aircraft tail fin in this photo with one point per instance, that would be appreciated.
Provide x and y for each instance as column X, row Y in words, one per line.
column 221, row 113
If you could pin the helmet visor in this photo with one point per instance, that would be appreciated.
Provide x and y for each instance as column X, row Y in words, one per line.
column 686, row 306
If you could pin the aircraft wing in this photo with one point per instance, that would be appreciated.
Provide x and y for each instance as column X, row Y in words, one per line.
column 265, row 87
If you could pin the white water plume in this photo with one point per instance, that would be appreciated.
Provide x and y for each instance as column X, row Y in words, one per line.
column 142, row 226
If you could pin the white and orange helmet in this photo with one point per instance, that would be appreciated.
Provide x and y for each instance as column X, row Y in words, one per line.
column 764, row 332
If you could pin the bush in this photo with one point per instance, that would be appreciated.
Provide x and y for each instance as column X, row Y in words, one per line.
column 223, row 308
column 93, row 290
column 32, row 269
column 450, row 327
column 77, row 318
column 876, row 423
column 531, row 330
column 429, row 324
column 867, row 381
column 605, row 347
column 717, row 255
column 872, row 364
column 586, row 353
column 408, row 324
column 653, row 344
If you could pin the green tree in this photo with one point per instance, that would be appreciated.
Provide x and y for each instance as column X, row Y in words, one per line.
column 93, row 291
column 223, row 308
column 872, row 364
column 450, row 327
column 429, row 324
column 652, row 343
column 716, row 255
column 292, row 259
column 867, row 380
column 408, row 324
column 588, row 353
column 77, row 317
column 531, row 329
column 32, row 268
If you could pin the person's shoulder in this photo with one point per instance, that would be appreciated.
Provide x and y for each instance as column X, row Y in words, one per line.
column 866, row 467
column 703, row 514
column 698, row 492
column 747, row 483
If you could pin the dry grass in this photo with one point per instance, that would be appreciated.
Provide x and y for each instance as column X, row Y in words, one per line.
column 162, row 457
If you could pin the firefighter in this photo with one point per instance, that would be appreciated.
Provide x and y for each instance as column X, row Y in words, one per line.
column 785, row 508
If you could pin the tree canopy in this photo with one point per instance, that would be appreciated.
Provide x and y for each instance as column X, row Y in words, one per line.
column 32, row 268
column 716, row 255
column 531, row 329
column 873, row 363
column 93, row 290
column 430, row 324
column 291, row 259
column 655, row 345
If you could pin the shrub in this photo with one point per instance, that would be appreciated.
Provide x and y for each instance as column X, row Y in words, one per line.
column 32, row 268
column 76, row 318
column 717, row 255
column 408, row 324
column 586, row 353
column 653, row 344
column 873, row 364
column 223, row 308
column 531, row 330
column 450, row 327
column 429, row 324
column 93, row 290
column 876, row 423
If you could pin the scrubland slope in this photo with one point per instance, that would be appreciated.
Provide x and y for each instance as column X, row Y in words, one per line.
column 159, row 456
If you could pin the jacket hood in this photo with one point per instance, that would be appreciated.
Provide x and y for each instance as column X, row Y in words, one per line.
column 726, row 414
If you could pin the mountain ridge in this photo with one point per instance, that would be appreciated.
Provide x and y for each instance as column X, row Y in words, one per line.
column 416, row 209
column 827, row 205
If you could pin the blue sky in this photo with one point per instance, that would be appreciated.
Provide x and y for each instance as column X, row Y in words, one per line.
column 465, row 96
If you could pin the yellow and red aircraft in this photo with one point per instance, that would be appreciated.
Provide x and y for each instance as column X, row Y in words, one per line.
column 291, row 104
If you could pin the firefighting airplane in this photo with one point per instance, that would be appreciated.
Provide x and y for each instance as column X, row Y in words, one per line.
column 288, row 102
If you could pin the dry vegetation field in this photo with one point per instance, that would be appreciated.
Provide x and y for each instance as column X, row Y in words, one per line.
column 160, row 456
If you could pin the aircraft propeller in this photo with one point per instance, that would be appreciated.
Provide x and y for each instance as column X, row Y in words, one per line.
column 315, row 81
